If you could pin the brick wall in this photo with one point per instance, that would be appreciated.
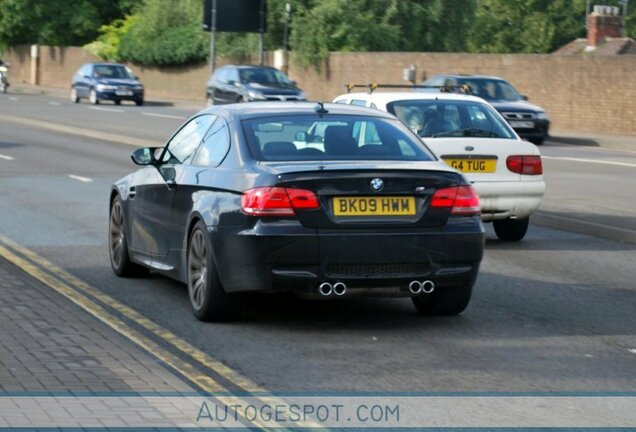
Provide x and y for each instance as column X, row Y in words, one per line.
column 581, row 93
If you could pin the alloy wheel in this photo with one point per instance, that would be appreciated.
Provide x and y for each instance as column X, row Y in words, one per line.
column 197, row 270
column 116, row 234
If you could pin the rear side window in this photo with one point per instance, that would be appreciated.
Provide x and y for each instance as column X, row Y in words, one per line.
column 215, row 146
column 182, row 146
column 334, row 137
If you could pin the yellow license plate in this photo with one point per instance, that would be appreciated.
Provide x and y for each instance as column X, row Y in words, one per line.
column 374, row 206
column 473, row 165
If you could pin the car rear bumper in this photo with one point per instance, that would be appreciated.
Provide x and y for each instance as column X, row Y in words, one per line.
column 501, row 200
column 285, row 255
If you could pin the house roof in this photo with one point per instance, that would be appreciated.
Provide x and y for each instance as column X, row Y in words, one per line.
column 611, row 46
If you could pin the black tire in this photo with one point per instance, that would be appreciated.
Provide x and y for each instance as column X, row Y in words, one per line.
column 511, row 229
column 92, row 97
column 118, row 244
column 537, row 141
column 444, row 301
column 117, row 102
column 139, row 102
column 208, row 299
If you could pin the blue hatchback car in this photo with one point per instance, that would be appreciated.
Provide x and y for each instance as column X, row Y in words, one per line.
column 106, row 81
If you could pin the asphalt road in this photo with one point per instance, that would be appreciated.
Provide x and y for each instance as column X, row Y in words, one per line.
column 555, row 312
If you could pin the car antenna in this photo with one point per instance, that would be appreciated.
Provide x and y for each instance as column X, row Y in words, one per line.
column 320, row 108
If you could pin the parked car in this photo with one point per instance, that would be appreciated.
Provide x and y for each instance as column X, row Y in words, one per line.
column 469, row 135
column 106, row 81
column 530, row 121
column 238, row 201
column 232, row 84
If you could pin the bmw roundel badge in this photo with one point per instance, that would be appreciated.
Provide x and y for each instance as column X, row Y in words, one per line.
column 377, row 184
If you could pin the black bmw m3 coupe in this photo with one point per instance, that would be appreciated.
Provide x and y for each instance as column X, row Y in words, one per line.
column 326, row 200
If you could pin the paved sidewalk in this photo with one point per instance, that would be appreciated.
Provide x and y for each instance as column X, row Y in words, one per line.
column 49, row 344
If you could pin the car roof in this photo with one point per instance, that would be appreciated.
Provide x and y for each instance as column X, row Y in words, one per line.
column 387, row 97
column 247, row 66
column 490, row 77
column 267, row 109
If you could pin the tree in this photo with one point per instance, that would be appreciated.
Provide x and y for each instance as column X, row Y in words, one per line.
column 166, row 32
column 53, row 22
column 525, row 26
column 363, row 25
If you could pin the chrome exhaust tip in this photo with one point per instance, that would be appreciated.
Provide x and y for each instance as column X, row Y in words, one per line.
column 339, row 289
column 325, row 289
column 415, row 287
column 428, row 286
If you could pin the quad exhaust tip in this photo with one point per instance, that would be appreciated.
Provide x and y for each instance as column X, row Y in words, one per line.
column 325, row 289
column 339, row 289
column 428, row 287
column 417, row 287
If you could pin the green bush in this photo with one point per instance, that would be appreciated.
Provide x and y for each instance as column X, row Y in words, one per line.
column 108, row 43
column 168, row 32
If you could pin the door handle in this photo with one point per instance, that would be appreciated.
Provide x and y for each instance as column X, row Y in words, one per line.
column 132, row 192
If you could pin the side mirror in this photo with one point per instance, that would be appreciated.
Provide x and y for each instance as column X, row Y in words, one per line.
column 144, row 156
column 293, row 82
column 301, row 136
column 524, row 97
column 231, row 82
column 87, row 77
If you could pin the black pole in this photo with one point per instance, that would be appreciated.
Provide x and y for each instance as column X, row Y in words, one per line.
column 261, row 39
column 213, row 38
column 286, row 38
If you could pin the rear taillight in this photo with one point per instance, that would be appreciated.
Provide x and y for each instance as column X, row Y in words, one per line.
column 462, row 200
column 527, row 165
column 277, row 201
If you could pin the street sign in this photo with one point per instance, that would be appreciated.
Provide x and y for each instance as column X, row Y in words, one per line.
column 240, row 16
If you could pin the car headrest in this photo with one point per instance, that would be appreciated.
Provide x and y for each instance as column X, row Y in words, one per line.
column 338, row 141
column 279, row 148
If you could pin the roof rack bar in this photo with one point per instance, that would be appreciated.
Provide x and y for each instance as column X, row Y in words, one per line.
column 465, row 88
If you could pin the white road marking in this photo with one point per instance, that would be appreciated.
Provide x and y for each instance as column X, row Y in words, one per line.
column 79, row 178
column 163, row 115
column 14, row 99
column 632, row 350
column 593, row 161
column 55, row 103
column 107, row 109
column 5, row 157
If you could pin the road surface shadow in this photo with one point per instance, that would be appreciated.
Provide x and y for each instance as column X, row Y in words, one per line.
column 588, row 142
column 6, row 145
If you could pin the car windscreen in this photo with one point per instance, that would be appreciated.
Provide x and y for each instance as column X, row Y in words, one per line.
column 111, row 71
column 450, row 118
column 492, row 90
column 262, row 76
column 332, row 137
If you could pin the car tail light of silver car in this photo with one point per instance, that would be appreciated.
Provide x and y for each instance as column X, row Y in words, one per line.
column 527, row 165
column 277, row 201
column 462, row 200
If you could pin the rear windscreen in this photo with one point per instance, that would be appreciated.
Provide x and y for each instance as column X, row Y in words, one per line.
column 433, row 118
column 332, row 137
